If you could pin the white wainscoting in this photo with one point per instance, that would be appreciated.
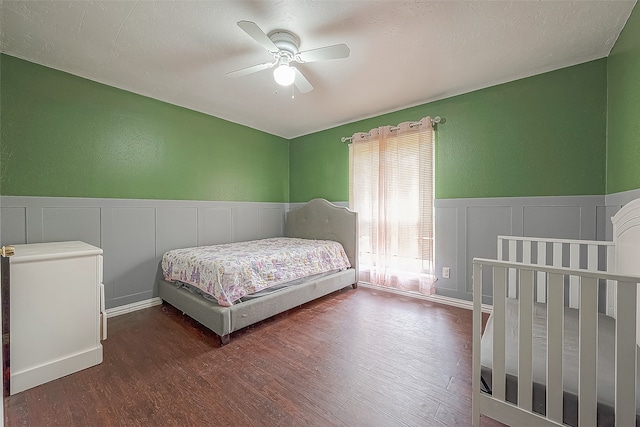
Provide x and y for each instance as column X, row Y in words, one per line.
column 135, row 233
column 468, row 228
column 134, row 306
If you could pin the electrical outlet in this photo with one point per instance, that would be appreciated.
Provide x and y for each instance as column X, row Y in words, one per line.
column 445, row 272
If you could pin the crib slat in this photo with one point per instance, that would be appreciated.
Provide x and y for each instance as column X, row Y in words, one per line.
column 588, row 345
column 526, row 251
column 611, row 285
column 592, row 257
column 541, row 288
column 525, row 370
column 477, row 328
column 574, row 262
column 498, row 364
column 557, row 254
column 512, row 250
column 555, row 328
column 625, row 406
column 512, row 293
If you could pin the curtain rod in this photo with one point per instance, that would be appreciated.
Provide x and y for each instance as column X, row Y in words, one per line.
column 434, row 121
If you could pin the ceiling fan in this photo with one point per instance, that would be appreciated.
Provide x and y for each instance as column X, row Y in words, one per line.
column 283, row 45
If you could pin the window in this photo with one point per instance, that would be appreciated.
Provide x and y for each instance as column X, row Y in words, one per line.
column 391, row 186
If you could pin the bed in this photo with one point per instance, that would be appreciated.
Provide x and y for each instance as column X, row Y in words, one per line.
column 560, row 345
column 316, row 220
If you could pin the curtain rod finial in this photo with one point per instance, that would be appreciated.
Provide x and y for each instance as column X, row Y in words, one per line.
column 437, row 119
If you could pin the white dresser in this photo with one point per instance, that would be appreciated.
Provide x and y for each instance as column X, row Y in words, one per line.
column 57, row 317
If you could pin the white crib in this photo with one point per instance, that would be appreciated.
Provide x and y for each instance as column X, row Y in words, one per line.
column 548, row 356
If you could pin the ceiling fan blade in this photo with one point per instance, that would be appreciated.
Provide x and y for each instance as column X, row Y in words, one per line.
column 301, row 82
column 250, row 70
column 336, row 51
column 258, row 35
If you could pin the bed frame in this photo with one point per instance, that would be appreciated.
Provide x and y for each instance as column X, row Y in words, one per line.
column 318, row 219
column 609, row 270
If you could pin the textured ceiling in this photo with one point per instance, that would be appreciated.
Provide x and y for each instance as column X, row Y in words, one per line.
column 403, row 53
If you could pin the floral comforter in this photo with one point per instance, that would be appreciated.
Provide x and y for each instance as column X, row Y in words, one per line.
column 231, row 271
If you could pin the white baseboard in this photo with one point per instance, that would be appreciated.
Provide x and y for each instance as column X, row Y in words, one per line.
column 135, row 306
column 440, row 299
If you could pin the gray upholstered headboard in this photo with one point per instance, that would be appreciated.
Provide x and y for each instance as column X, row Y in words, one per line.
column 322, row 220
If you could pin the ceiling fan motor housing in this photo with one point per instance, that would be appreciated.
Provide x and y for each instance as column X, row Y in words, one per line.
column 285, row 41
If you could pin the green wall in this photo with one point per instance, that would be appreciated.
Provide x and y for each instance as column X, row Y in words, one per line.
column 1, row 146
column 540, row 136
column 66, row 136
column 623, row 117
column 545, row 135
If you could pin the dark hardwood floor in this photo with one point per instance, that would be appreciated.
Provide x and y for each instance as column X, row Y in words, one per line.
column 354, row 358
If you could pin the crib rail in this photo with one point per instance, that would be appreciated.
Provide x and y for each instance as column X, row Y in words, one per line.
column 494, row 405
column 592, row 255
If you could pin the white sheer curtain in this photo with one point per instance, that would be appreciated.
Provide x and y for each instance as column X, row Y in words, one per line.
column 391, row 186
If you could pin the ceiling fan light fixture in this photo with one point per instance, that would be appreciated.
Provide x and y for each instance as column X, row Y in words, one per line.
column 284, row 75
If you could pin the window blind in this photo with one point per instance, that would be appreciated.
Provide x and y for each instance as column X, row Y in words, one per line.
column 391, row 187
